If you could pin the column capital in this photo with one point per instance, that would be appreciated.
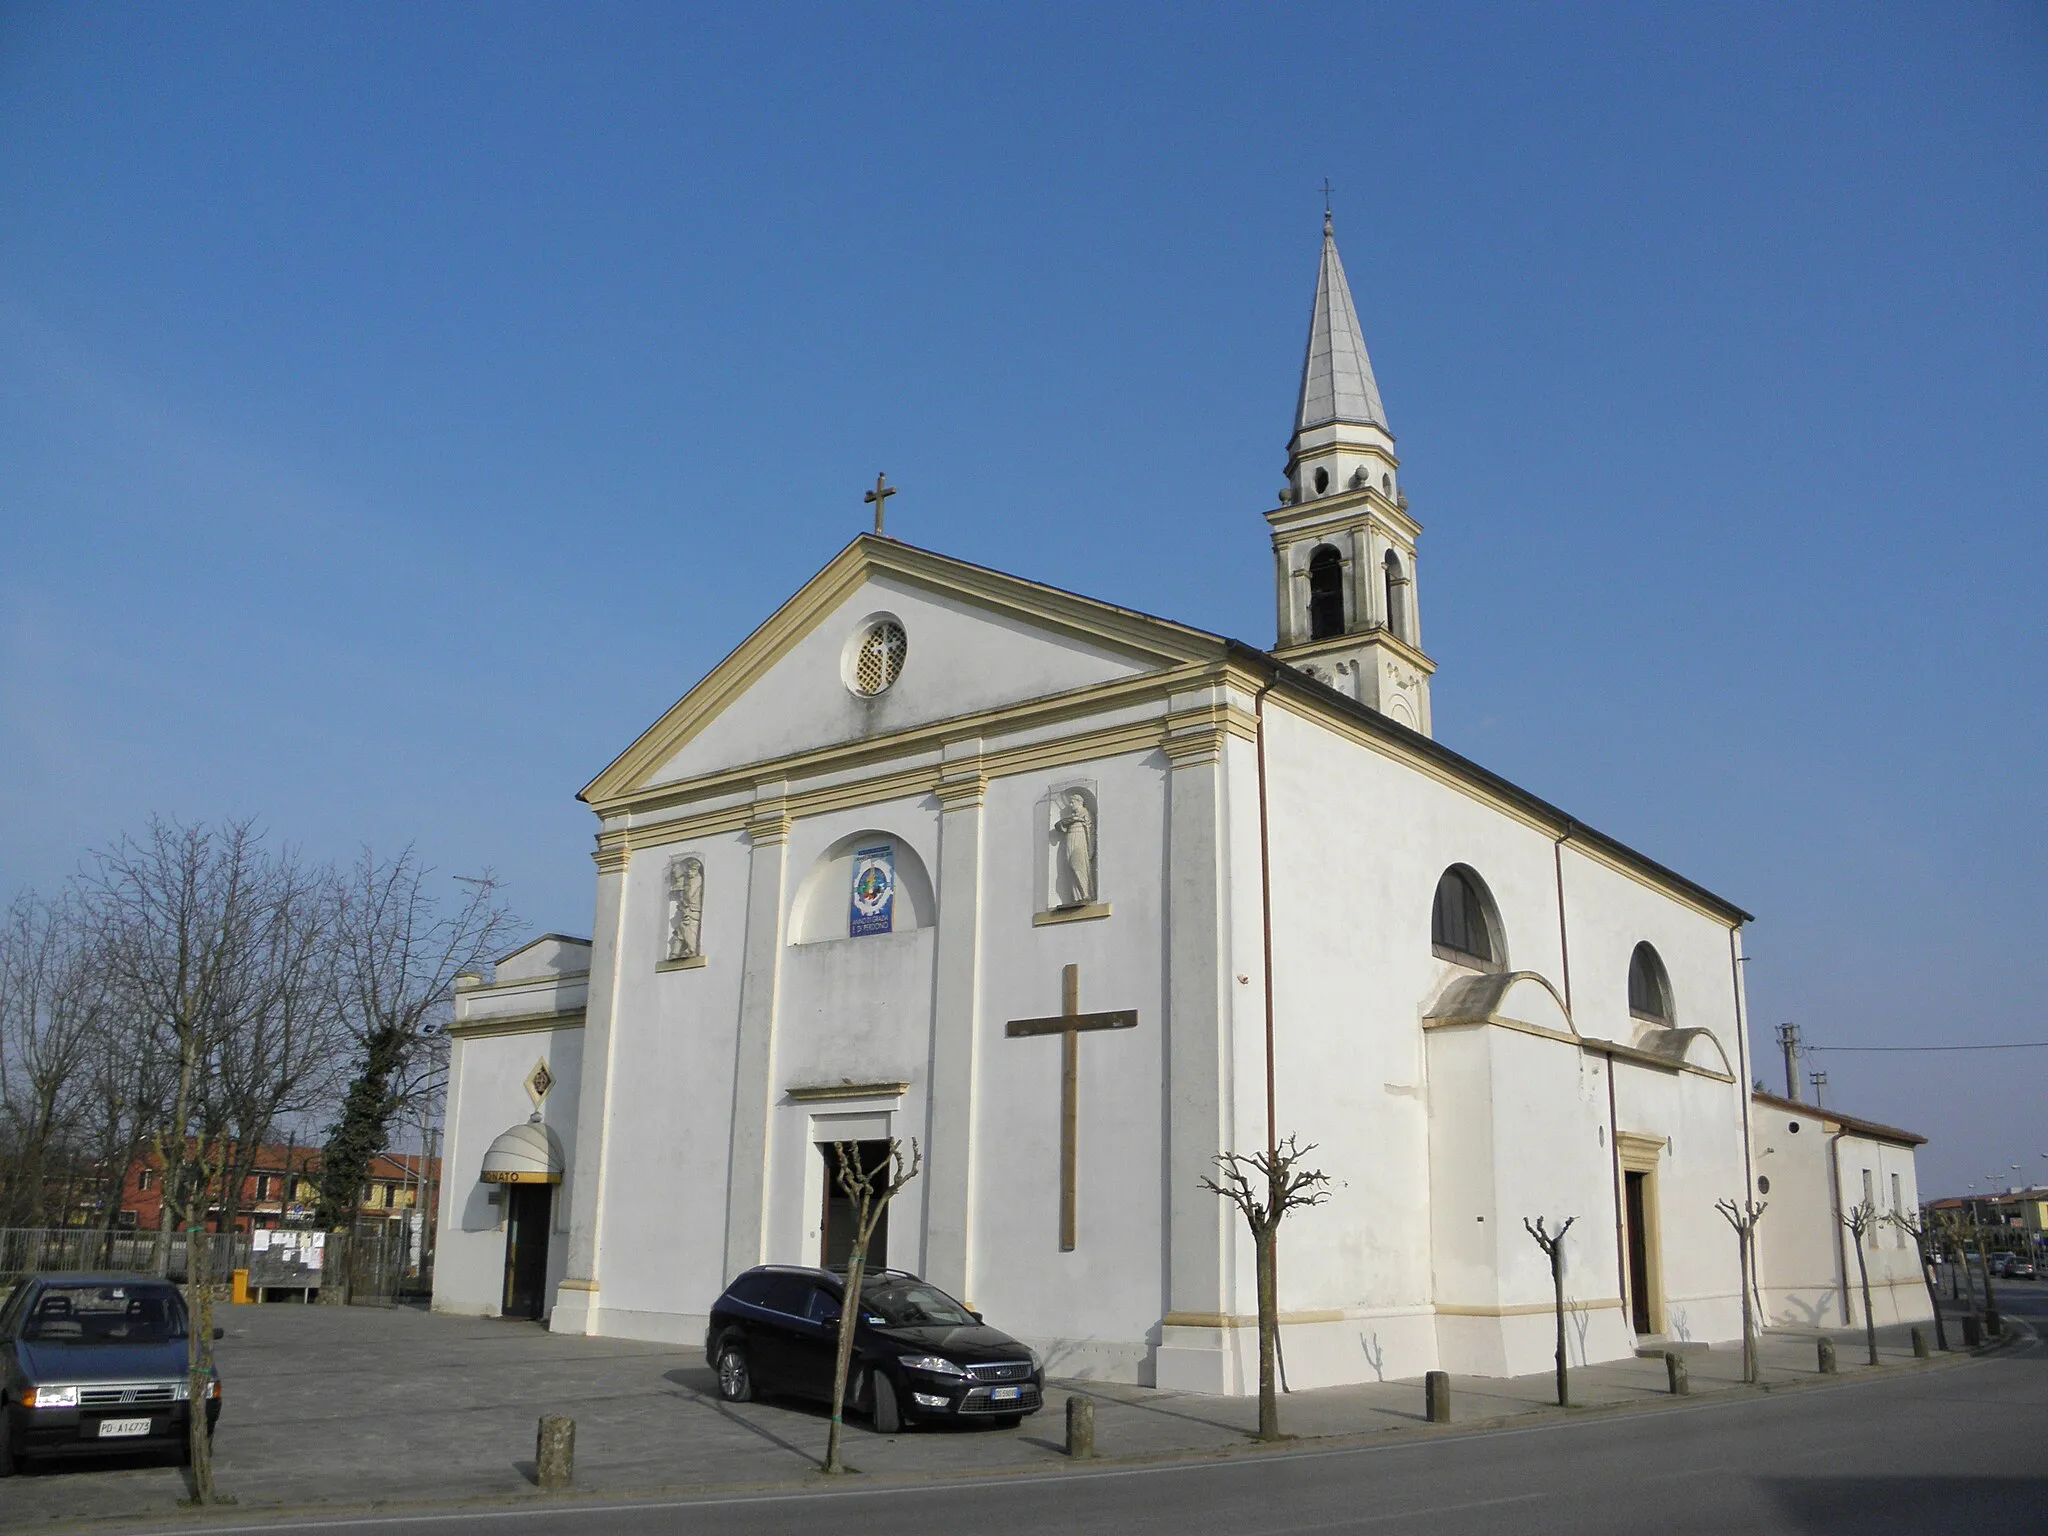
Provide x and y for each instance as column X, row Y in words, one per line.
column 962, row 791
column 769, row 829
column 1193, row 740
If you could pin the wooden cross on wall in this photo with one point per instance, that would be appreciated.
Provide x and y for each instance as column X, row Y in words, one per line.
column 1068, row 1024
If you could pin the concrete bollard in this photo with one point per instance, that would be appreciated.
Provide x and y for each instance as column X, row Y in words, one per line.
column 1827, row 1357
column 1436, row 1396
column 1920, row 1349
column 1973, row 1332
column 1080, row 1428
column 554, row 1452
column 1679, row 1376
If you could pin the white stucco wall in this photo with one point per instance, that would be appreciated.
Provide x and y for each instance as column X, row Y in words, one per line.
column 1806, row 1266
column 1358, row 842
column 961, row 659
column 718, row 1080
column 487, row 1096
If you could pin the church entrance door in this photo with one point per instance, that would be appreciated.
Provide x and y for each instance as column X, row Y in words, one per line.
column 836, row 1245
column 529, row 1207
column 1638, row 1252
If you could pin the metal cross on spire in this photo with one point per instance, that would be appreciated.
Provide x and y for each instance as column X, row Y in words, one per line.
column 1326, row 205
column 881, row 493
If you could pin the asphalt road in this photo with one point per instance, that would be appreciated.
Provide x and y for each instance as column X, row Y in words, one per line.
column 1955, row 1449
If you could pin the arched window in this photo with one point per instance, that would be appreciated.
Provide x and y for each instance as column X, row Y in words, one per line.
column 1325, row 593
column 1649, row 986
column 1397, row 596
column 1463, row 925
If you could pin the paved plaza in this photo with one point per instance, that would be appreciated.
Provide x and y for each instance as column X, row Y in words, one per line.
column 366, row 1406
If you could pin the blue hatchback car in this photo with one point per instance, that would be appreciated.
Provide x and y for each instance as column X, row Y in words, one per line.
column 95, row 1364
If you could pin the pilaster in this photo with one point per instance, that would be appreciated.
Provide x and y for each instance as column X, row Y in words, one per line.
column 956, row 1024
column 754, row 1057
column 576, row 1297
column 1193, row 1356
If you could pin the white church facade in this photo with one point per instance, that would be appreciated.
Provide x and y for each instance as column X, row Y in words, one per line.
column 920, row 798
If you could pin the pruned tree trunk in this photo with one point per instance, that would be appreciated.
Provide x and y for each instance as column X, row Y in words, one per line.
column 1984, row 1262
column 1266, row 1248
column 1265, row 1187
column 870, row 1199
column 1923, row 1249
column 1860, row 1222
column 1743, row 1219
column 1552, row 1244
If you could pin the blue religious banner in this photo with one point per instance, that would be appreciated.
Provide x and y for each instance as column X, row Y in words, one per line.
column 874, row 890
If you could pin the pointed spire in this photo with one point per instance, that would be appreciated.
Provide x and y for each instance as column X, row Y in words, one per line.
column 1336, row 377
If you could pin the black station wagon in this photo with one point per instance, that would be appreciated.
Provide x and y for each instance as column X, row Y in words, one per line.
column 917, row 1353
column 92, row 1364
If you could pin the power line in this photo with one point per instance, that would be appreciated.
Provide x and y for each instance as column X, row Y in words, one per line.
column 2017, row 1045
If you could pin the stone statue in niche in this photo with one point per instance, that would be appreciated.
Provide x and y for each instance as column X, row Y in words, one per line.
column 1074, row 868
column 685, row 908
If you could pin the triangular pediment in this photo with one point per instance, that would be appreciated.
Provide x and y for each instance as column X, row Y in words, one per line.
column 975, row 641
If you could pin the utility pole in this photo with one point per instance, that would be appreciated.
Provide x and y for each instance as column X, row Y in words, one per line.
column 1788, row 1041
column 1820, row 1083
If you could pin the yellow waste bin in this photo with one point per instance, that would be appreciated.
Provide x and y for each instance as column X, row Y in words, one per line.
column 242, row 1297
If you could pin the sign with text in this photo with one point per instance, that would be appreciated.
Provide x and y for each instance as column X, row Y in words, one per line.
column 874, row 891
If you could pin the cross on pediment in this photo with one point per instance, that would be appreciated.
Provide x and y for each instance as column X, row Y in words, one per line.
column 880, row 494
column 1069, row 1024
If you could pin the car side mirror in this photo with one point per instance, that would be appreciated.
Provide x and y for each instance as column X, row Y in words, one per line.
column 220, row 1333
column 975, row 1315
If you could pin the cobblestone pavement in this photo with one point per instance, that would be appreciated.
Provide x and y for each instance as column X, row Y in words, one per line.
column 349, row 1407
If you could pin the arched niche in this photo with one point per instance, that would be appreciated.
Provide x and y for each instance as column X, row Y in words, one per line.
column 824, row 899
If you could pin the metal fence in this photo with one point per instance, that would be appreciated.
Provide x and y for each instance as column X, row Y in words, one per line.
column 56, row 1250
column 380, row 1260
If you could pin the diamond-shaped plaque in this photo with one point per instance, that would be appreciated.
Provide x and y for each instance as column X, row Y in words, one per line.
column 538, row 1082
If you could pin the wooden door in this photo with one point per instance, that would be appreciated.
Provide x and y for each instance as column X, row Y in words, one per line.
column 1638, row 1253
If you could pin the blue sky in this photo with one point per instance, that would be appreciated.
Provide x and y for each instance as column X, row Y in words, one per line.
column 400, row 407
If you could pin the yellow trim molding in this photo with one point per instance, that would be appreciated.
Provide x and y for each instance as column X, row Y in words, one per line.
column 1086, row 914
column 516, row 1024
column 818, row 1093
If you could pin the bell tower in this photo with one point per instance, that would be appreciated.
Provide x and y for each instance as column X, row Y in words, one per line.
column 1343, row 542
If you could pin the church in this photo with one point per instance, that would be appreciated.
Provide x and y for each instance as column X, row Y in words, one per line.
column 1076, row 898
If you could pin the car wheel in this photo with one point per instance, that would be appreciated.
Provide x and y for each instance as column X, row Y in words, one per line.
column 882, row 1406
column 7, row 1467
column 735, row 1378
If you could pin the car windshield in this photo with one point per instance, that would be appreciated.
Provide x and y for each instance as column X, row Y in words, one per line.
column 105, row 1314
column 912, row 1303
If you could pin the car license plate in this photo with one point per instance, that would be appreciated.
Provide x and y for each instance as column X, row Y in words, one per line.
column 1005, row 1394
column 109, row 1428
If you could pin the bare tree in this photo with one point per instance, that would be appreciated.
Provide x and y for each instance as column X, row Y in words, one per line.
column 870, row 1189
column 1861, row 1219
column 53, row 998
column 186, row 913
column 1264, row 1187
column 1917, row 1230
column 1552, row 1244
column 129, row 1076
column 397, row 954
column 1743, row 1218
column 288, row 1052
